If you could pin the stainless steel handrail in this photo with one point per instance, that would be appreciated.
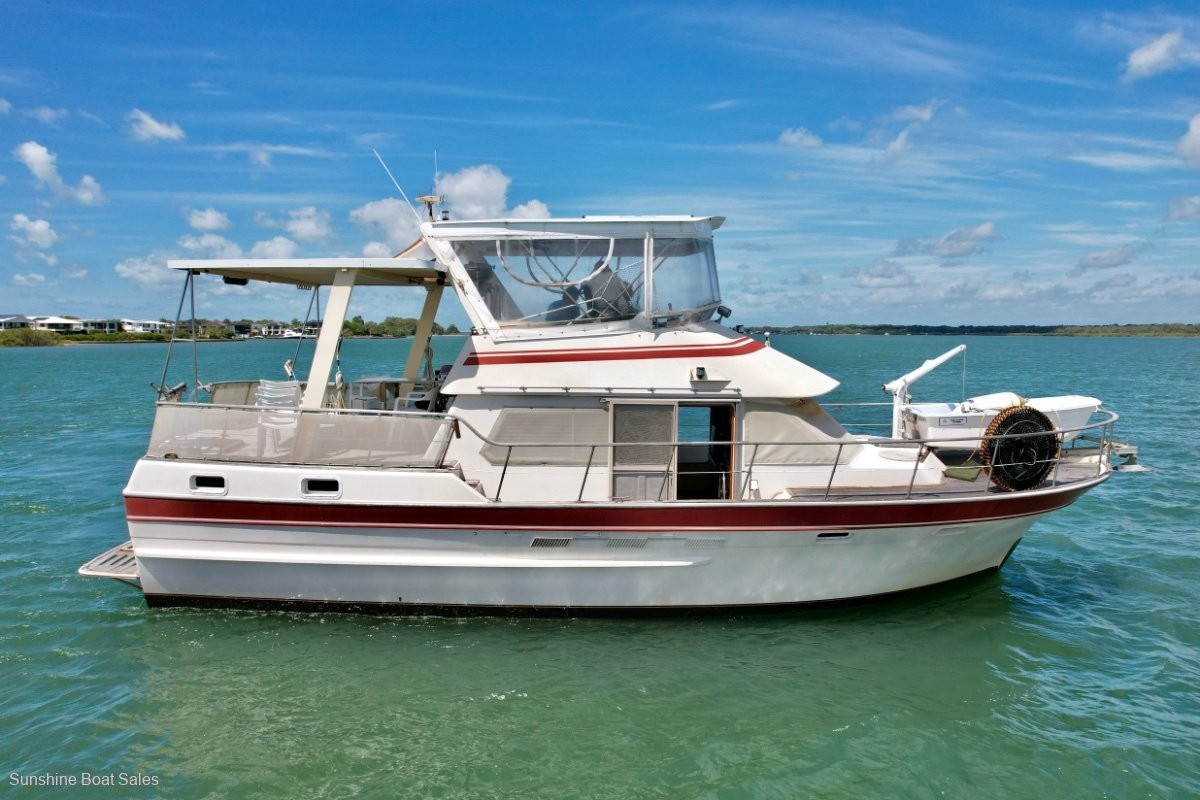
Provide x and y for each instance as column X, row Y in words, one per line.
column 1105, row 426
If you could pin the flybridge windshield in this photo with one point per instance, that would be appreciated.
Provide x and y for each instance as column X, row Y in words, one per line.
column 572, row 280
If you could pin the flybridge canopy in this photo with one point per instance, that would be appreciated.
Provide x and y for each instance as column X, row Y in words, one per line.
column 623, row 227
column 320, row 271
column 519, row 277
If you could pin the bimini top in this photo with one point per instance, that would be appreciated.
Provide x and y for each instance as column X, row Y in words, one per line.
column 318, row 271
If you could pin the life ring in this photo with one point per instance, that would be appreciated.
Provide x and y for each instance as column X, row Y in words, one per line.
column 1025, row 460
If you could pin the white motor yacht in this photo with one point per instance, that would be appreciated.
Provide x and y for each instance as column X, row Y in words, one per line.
column 556, row 465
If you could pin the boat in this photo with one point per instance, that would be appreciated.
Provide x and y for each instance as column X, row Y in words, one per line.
column 605, row 442
column 963, row 425
column 966, row 425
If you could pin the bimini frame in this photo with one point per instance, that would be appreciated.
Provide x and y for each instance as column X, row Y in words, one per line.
column 341, row 275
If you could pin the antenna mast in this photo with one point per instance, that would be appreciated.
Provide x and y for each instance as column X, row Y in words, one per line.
column 433, row 198
column 398, row 189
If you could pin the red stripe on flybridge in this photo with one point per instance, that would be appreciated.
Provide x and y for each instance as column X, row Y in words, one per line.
column 735, row 348
column 746, row 516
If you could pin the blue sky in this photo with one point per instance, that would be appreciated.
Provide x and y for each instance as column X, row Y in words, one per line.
column 956, row 163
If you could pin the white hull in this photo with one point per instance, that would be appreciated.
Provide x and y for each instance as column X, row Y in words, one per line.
column 595, row 570
column 439, row 545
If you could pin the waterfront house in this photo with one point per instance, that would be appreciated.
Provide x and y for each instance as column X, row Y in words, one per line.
column 56, row 324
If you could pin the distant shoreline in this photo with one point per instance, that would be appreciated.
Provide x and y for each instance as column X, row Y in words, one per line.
column 1155, row 330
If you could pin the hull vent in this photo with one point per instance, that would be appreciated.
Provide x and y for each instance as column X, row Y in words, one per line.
column 705, row 544
column 626, row 543
column 543, row 542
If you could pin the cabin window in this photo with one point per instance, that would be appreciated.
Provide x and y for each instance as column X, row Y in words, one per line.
column 560, row 436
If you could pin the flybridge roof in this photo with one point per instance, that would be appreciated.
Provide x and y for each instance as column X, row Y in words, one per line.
column 579, row 226
column 320, row 271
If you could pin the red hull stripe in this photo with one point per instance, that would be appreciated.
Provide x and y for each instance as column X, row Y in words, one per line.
column 616, row 517
column 735, row 348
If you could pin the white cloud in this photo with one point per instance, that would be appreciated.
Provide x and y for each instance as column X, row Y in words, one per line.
column 208, row 219
column 800, row 138
column 964, row 241
column 146, row 128
column 722, row 105
column 149, row 272
column 922, row 113
column 309, row 224
column 481, row 192
column 881, row 274
column 378, row 250
column 88, row 192
column 5, row 106
column 1189, row 145
column 41, row 163
column 1112, row 257
column 475, row 192
column 1184, row 208
column 75, row 273
column 1158, row 56
column 534, row 209
column 277, row 247
column 32, row 232
column 900, row 145
column 210, row 245
column 28, row 279
column 845, row 124
column 207, row 87
column 390, row 218
column 261, row 153
column 47, row 115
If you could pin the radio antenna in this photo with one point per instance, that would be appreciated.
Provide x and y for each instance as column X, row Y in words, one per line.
column 433, row 198
column 397, row 185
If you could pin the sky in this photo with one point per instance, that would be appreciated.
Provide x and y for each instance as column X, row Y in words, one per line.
column 910, row 163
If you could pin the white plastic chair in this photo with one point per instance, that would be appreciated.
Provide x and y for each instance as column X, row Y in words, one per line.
column 281, row 401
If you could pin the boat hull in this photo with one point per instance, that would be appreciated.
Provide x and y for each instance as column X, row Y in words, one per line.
column 611, row 556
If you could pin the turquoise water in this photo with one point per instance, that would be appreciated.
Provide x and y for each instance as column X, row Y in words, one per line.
column 1072, row 673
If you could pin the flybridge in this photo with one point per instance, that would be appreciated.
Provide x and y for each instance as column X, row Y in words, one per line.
column 518, row 279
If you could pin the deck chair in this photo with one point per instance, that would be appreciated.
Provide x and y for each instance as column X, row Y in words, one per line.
column 280, row 403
